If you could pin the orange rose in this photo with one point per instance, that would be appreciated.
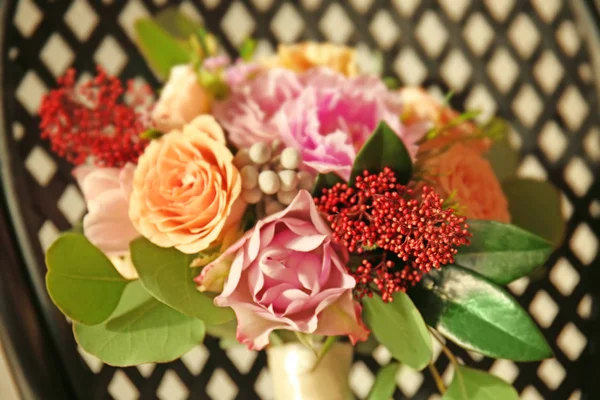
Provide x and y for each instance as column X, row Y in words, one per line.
column 463, row 171
column 185, row 187
column 307, row 55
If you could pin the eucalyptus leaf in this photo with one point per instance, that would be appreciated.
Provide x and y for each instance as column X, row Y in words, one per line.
column 325, row 181
column 471, row 384
column 502, row 252
column 385, row 383
column 399, row 327
column 141, row 330
column 166, row 274
column 383, row 149
column 161, row 50
column 478, row 315
column 535, row 206
column 81, row 280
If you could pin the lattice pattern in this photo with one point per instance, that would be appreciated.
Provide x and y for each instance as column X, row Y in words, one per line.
column 522, row 60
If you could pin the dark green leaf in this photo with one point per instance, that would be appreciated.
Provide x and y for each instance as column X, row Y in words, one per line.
column 385, row 383
column 471, row 384
column 161, row 50
column 535, row 207
column 502, row 252
column 325, row 181
column 399, row 319
column 141, row 330
column 383, row 149
column 166, row 274
column 478, row 315
column 81, row 280
column 503, row 159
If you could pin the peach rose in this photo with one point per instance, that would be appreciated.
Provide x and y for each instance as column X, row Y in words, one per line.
column 420, row 107
column 307, row 55
column 185, row 187
column 463, row 171
column 181, row 100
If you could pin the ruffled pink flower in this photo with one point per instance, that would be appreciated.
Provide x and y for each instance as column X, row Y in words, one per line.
column 325, row 114
column 106, row 192
column 287, row 273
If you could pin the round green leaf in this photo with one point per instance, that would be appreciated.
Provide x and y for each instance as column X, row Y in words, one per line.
column 399, row 327
column 502, row 252
column 385, row 383
column 141, row 330
column 471, row 384
column 383, row 149
column 535, row 207
column 478, row 315
column 81, row 280
column 166, row 274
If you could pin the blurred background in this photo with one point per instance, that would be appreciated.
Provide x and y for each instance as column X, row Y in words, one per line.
column 532, row 62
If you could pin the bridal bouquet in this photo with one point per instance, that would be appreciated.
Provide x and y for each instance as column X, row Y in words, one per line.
column 291, row 199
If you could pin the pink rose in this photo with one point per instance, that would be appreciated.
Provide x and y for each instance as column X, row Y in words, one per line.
column 463, row 171
column 286, row 273
column 106, row 192
column 181, row 100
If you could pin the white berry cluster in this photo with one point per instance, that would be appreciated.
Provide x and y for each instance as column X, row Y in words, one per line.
column 271, row 176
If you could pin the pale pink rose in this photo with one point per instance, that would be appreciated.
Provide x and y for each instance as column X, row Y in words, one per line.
column 286, row 273
column 106, row 192
column 185, row 187
column 463, row 171
column 182, row 99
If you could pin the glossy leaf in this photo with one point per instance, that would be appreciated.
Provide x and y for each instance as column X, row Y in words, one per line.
column 535, row 206
column 81, row 280
column 399, row 327
column 502, row 252
column 161, row 50
column 141, row 330
column 325, row 181
column 503, row 159
column 166, row 274
column 472, row 384
column 385, row 383
column 383, row 149
column 478, row 315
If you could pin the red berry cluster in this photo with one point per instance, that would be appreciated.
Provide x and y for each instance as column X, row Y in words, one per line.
column 406, row 234
column 98, row 119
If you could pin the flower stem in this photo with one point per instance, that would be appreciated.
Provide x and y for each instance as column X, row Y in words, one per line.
column 307, row 341
column 437, row 378
column 324, row 349
column 453, row 361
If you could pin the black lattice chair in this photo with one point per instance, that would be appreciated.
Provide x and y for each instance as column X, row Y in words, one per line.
column 532, row 62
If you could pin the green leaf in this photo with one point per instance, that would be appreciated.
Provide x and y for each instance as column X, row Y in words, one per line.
column 535, row 207
column 471, row 384
column 383, row 149
column 161, row 50
column 325, row 181
column 497, row 129
column 151, row 134
column 385, row 383
column 502, row 252
column 247, row 49
column 166, row 274
column 478, row 315
column 141, row 330
column 81, row 280
column 503, row 159
column 177, row 24
column 367, row 347
column 399, row 327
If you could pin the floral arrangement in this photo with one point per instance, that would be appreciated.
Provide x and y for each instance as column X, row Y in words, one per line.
column 290, row 198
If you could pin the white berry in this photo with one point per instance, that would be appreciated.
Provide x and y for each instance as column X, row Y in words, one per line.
column 273, row 206
column 260, row 153
column 286, row 197
column 290, row 158
column 251, row 196
column 268, row 182
column 242, row 158
column 275, row 145
column 288, row 180
column 305, row 180
column 249, row 175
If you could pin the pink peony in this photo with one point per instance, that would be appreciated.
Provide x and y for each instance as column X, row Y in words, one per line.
column 286, row 273
column 325, row 114
column 106, row 192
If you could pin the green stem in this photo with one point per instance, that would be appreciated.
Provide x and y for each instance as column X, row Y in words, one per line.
column 453, row 361
column 437, row 378
column 307, row 342
column 324, row 349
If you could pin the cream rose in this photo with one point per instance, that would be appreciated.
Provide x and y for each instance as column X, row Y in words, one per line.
column 185, row 187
